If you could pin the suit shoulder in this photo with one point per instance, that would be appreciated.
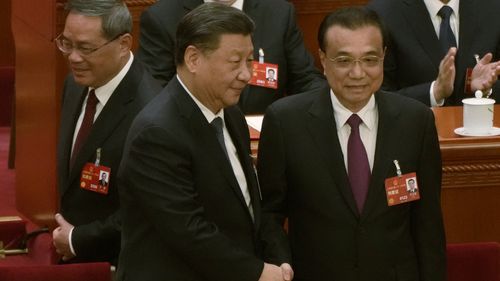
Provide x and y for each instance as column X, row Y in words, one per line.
column 299, row 102
column 385, row 7
column 405, row 104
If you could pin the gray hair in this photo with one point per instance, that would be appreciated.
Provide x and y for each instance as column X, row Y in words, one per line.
column 116, row 18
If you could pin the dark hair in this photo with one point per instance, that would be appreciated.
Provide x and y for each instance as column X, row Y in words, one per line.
column 351, row 18
column 115, row 16
column 203, row 27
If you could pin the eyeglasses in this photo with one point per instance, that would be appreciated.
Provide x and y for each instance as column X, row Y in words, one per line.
column 66, row 46
column 347, row 62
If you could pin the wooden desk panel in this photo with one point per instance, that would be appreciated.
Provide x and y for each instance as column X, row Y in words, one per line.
column 471, row 179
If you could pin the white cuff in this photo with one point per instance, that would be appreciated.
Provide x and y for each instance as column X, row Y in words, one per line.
column 71, row 243
column 434, row 103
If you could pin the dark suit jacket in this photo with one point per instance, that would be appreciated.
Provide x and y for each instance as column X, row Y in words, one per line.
column 97, row 233
column 184, row 216
column 303, row 177
column 413, row 55
column 276, row 33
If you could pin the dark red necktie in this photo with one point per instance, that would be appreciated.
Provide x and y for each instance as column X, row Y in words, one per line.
column 88, row 120
column 358, row 166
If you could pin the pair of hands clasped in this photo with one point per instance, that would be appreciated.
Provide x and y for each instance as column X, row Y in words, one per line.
column 483, row 76
column 272, row 272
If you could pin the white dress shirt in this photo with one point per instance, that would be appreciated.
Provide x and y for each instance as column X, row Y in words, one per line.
column 231, row 149
column 238, row 4
column 367, row 129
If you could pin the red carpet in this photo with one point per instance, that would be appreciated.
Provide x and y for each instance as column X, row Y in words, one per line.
column 7, row 177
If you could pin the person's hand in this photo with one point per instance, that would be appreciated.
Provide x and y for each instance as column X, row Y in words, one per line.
column 443, row 87
column 485, row 74
column 271, row 272
column 60, row 237
column 287, row 271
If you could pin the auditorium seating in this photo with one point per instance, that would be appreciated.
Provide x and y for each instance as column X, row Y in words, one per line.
column 74, row 272
column 479, row 261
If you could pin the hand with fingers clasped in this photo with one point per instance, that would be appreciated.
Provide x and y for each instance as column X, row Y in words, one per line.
column 60, row 237
column 485, row 73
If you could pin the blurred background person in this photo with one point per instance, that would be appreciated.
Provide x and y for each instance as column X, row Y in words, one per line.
column 432, row 46
column 276, row 33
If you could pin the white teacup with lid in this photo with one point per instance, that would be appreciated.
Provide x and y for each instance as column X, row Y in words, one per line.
column 478, row 115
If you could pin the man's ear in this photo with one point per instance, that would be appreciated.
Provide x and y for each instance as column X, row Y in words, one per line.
column 125, row 43
column 192, row 58
column 322, row 58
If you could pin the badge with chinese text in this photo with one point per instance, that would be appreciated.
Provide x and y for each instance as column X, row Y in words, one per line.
column 264, row 75
column 402, row 189
column 95, row 178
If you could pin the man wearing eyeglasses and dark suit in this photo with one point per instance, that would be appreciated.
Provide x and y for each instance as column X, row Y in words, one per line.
column 101, row 97
column 334, row 162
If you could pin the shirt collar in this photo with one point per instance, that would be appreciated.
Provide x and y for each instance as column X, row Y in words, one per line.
column 238, row 4
column 433, row 6
column 209, row 115
column 104, row 92
column 341, row 113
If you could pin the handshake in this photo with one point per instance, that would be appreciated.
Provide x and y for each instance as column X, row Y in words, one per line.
column 272, row 272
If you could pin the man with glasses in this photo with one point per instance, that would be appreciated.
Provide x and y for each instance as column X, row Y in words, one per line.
column 102, row 95
column 334, row 162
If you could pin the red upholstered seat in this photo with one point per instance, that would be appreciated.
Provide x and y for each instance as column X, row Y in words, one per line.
column 73, row 272
column 478, row 261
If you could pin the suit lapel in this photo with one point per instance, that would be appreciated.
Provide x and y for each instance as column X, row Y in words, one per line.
column 190, row 4
column 387, row 140
column 109, row 119
column 468, row 14
column 418, row 18
column 321, row 125
column 74, row 97
column 245, row 160
column 205, row 136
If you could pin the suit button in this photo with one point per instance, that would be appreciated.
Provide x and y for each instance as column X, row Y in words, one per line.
column 361, row 230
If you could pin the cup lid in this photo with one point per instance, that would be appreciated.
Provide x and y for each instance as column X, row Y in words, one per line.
column 476, row 101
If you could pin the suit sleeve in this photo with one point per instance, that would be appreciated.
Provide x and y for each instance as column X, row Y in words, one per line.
column 426, row 216
column 272, row 175
column 160, row 175
column 156, row 48
column 302, row 75
column 98, row 240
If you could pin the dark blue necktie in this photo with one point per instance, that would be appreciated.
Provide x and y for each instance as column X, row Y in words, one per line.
column 446, row 36
column 217, row 125
column 358, row 166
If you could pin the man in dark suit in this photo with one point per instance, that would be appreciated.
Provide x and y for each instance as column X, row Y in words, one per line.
column 96, row 41
column 327, row 160
column 188, row 191
column 416, row 63
column 276, row 33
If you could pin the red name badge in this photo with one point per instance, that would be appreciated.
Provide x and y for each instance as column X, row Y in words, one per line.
column 95, row 178
column 402, row 189
column 264, row 75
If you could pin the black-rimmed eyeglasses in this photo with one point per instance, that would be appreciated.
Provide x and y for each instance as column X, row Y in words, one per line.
column 348, row 62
